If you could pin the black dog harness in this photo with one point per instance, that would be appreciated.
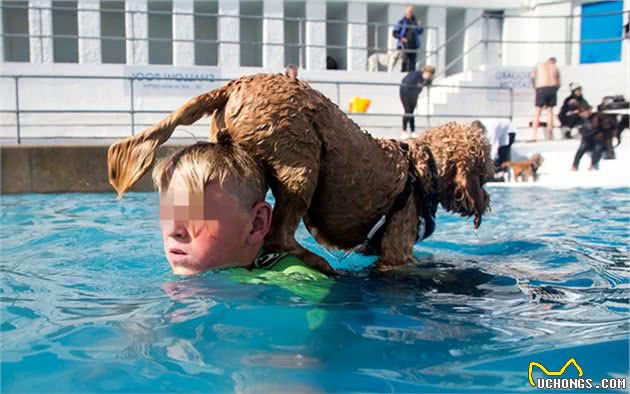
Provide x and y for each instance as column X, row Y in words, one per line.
column 428, row 203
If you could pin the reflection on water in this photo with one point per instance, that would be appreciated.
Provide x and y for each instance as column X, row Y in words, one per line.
column 89, row 304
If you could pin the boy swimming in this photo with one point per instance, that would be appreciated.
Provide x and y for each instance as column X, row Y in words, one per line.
column 213, row 212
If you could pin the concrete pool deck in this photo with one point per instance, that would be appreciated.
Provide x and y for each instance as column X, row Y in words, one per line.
column 556, row 169
column 81, row 166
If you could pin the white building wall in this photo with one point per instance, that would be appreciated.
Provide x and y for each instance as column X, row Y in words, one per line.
column 315, row 35
column 89, row 20
column 229, row 30
column 554, row 29
column 183, row 29
column 357, row 36
column 137, row 31
column 40, row 24
column 273, row 33
column 576, row 9
column 473, row 55
column 512, row 54
column 519, row 29
column 493, row 31
column 436, row 17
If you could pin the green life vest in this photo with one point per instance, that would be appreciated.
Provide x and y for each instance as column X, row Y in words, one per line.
column 288, row 272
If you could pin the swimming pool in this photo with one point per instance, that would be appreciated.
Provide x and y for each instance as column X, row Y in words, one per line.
column 89, row 304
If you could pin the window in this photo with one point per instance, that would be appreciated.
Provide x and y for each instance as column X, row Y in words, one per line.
column 65, row 32
column 378, row 28
column 251, row 33
column 160, row 32
column 337, row 32
column 601, row 28
column 206, row 28
column 113, row 25
column 15, row 28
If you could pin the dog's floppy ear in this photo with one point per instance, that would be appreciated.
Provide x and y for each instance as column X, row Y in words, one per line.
column 472, row 172
column 128, row 160
column 470, row 197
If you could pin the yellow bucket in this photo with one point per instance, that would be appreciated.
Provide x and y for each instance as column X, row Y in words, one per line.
column 359, row 104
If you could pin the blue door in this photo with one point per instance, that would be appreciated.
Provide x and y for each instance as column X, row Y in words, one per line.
column 601, row 27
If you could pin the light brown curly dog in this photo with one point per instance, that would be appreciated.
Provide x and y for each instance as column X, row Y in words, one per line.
column 323, row 168
column 524, row 169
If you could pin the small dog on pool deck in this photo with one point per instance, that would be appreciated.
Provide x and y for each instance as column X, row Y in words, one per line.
column 524, row 169
column 324, row 169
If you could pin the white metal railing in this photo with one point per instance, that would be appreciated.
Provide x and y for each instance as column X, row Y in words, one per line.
column 132, row 109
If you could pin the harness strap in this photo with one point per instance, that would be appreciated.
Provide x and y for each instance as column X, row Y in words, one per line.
column 428, row 201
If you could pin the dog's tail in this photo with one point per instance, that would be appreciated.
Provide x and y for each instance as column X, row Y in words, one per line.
column 128, row 160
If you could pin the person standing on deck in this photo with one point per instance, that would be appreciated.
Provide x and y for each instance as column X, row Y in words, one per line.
column 546, row 81
column 407, row 31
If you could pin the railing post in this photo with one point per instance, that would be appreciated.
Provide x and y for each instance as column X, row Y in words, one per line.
column 17, row 109
column 132, row 104
column 338, row 94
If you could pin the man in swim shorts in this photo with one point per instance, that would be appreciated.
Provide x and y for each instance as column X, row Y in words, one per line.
column 546, row 81
column 213, row 212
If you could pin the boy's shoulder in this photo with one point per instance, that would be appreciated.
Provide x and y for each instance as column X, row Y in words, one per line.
column 285, row 263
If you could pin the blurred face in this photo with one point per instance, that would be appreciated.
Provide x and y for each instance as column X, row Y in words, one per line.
column 427, row 75
column 409, row 12
column 578, row 92
column 292, row 72
column 210, row 231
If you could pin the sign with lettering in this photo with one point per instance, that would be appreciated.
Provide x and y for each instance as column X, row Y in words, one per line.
column 160, row 80
column 517, row 78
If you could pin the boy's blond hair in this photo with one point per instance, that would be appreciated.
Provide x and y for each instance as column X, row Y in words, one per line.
column 207, row 162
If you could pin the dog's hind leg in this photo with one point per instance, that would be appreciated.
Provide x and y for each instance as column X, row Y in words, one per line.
column 293, row 167
column 399, row 237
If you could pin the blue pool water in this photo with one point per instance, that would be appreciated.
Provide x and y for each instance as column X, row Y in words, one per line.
column 88, row 304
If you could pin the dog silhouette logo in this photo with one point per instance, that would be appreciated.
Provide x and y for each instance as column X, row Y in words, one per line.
column 552, row 373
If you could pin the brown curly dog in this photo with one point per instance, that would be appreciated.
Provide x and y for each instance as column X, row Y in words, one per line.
column 324, row 169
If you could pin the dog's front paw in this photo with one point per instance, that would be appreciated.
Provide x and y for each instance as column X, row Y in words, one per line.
column 316, row 262
column 384, row 265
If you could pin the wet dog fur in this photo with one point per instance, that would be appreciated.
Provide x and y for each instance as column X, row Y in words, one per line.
column 323, row 168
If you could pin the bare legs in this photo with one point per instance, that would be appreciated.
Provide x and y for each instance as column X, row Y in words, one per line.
column 550, row 124
column 536, row 122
